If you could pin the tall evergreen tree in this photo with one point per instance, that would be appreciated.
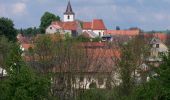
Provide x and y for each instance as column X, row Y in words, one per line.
column 22, row 83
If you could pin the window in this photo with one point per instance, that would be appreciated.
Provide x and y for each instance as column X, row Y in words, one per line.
column 68, row 17
column 100, row 81
column 81, row 78
column 99, row 34
column 157, row 45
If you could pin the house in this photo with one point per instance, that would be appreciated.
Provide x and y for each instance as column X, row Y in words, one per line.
column 94, row 66
column 74, row 27
column 23, row 39
column 25, row 43
column 68, row 25
column 96, row 70
column 97, row 26
column 158, row 48
column 55, row 27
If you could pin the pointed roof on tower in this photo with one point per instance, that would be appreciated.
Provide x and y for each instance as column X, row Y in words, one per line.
column 69, row 9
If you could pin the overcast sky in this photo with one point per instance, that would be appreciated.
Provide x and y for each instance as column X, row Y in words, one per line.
column 146, row 14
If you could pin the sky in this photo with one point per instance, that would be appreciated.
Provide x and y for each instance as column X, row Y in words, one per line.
column 145, row 14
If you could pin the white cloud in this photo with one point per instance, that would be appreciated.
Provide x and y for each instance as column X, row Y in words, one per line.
column 16, row 9
column 19, row 8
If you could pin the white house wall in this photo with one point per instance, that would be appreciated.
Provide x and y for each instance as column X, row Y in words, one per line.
column 51, row 30
column 3, row 71
column 87, row 30
column 96, row 32
column 99, row 31
column 85, row 84
column 79, row 29
column 70, row 19
column 162, row 48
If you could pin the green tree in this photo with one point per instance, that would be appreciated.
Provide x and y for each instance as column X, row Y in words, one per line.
column 5, row 46
column 46, row 20
column 133, row 54
column 31, row 31
column 82, row 39
column 158, row 88
column 45, row 52
column 125, row 67
column 7, row 29
column 93, row 94
column 164, row 77
column 97, row 39
column 22, row 83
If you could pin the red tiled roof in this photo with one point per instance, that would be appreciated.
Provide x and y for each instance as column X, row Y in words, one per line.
column 102, row 59
column 161, row 36
column 66, row 25
column 56, row 26
column 27, row 46
column 23, row 39
column 86, row 25
column 103, row 53
column 70, row 25
column 96, row 24
column 97, row 60
column 123, row 32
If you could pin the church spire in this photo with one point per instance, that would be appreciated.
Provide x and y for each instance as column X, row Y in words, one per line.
column 69, row 9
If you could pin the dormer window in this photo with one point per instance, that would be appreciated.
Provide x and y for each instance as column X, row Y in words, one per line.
column 157, row 45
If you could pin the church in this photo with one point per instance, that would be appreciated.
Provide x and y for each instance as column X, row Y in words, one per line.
column 70, row 25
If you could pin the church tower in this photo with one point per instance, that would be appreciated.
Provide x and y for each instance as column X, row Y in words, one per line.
column 69, row 15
